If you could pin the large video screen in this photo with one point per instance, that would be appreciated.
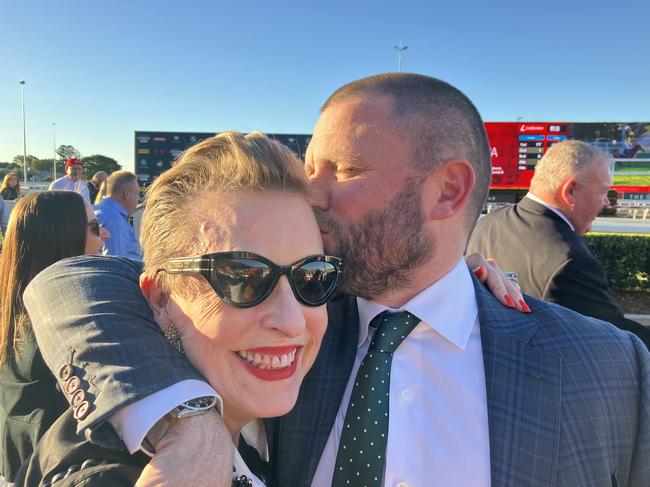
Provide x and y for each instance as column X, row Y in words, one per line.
column 516, row 147
column 156, row 151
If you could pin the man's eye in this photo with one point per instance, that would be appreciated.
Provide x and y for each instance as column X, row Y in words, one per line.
column 348, row 171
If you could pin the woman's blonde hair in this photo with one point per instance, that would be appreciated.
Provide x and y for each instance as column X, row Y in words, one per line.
column 228, row 162
column 5, row 182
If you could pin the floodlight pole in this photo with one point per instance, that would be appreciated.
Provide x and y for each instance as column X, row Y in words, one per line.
column 54, row 147
column 22, row 93
column 401, row 47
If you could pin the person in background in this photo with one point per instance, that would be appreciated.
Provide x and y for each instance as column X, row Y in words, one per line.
column 43, row 228
column 541, row 237
column 95, row 184
column 73, row 179
column 10, row 189
column 120, row 202
column 100, row 193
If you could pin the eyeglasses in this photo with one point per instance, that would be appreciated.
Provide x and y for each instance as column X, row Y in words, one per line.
column 94, row 226
column 244, row 279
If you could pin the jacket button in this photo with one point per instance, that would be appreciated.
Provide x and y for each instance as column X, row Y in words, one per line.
column 78, row 397
column 72, row 384
column 82, row 410
column 65, row 372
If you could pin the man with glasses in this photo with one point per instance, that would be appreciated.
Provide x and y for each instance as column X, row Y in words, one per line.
column 479, row 394
column 73, row 179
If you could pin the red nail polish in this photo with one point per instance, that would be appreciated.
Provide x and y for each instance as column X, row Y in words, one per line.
column 509, row 302
column 479, row 271
column 524, row 306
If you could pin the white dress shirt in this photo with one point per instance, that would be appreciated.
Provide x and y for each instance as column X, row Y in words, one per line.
column 536, row 199
column 438, row 423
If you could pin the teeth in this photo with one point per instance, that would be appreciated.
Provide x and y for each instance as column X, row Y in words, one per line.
column 264, row 362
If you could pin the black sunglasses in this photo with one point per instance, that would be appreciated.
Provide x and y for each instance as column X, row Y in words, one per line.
column 244, row 279
column 94, row 226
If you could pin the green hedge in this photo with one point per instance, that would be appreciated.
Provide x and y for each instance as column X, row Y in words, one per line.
column 626, row 258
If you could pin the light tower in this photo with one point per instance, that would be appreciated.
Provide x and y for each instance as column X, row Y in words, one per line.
column 401, row 47
column 22, row 94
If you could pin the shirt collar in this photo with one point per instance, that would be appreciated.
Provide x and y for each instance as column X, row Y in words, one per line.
column 531, row 196
column 115, row 204
column 448, row 306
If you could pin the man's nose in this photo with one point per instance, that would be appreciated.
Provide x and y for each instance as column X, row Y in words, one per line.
column 320, row 189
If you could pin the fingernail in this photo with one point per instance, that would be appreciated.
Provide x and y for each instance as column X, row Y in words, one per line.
column 509, row 302
column 524, row 306
column 479, row 271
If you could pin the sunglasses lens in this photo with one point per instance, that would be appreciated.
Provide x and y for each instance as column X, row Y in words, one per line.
column 314, row 281
column 242, row 281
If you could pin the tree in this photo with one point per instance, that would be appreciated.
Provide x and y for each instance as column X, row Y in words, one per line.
column 68, row 151
column 98, row 162
column 18, row 160
column 41, row 165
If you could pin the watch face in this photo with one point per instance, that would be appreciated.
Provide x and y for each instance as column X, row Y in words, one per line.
column 202, row 403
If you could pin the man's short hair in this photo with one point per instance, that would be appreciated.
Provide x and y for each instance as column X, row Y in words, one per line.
column 440, row 120
column 119, row 181
column 566, row 159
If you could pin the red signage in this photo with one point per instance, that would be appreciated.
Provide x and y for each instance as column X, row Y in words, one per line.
column 517, row 147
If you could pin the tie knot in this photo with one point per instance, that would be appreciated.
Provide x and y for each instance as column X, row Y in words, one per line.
column 391, row 330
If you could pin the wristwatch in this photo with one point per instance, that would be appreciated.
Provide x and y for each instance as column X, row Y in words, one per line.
column 193, row 407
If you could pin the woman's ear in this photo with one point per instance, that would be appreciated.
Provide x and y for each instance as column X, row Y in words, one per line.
column 158, row 301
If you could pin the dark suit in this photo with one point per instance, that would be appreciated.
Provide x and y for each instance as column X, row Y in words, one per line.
column 568, row 397
column 29, row 404
column 552, row 262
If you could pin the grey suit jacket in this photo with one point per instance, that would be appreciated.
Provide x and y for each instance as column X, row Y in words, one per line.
column 553, row 263
column 568, row 396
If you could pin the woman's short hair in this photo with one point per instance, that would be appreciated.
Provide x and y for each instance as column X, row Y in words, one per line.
column 43, row 228
column 227, row 162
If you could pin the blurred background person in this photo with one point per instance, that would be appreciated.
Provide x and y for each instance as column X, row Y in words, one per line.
column 73, row 179
column 43, row 228
column 10, row 189
column 100, row 193
column 121, row 201
column 95, row 183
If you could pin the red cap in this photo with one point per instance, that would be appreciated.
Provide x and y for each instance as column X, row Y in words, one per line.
column 73, row 161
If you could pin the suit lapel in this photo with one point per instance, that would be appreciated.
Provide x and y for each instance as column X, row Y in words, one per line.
column 523, row 396
column 301, row 435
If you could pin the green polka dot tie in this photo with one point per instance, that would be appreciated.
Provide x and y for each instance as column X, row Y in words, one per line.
column 360, row 459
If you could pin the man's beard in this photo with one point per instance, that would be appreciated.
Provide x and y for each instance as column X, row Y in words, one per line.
column 382, row 250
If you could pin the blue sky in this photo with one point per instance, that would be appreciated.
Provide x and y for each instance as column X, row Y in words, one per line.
column 101, row 70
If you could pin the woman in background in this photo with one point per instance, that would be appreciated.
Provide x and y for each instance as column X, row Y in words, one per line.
column 43, row 228
column 10, row 189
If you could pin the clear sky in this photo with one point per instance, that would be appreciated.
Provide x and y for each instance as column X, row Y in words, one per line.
column 101, row 70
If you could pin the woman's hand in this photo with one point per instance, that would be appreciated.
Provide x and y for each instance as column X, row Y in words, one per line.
column 504, row 289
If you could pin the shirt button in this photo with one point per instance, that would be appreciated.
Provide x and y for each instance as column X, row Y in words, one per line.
column 402, row 484
column 406, row 395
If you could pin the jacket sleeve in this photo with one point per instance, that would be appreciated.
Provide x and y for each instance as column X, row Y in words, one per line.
column 580, row 284
column 640, row 468
column 92, row 322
